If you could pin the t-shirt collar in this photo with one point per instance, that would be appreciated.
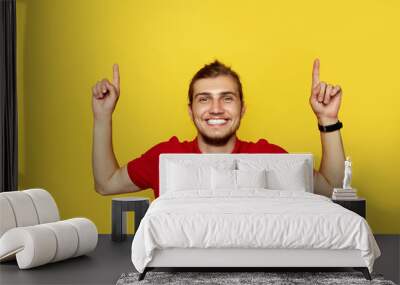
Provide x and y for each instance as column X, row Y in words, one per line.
column 236, row 148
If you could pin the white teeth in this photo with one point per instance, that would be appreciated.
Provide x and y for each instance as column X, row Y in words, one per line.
column 216, row 121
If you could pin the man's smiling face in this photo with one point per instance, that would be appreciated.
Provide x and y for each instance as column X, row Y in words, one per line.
column 216, row 109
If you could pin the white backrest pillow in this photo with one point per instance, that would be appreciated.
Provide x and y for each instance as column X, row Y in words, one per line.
column 184, row 177
column 283, row 170
column 223, row 179
column 186, row 174
column 251, row 178
column 289, row 174
column 237, row 179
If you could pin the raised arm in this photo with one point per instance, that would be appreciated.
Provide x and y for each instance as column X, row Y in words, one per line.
column 109, row 177
column 325, row 102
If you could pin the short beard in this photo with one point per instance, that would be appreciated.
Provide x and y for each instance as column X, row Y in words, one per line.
column 217, row 141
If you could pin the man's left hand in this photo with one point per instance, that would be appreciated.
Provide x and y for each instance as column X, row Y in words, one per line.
column 325, row 98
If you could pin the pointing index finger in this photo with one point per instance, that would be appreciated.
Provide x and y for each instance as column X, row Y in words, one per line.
column 116, row 75
column 315, row 73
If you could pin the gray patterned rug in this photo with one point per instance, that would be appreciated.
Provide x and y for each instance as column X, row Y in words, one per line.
column 269, row 278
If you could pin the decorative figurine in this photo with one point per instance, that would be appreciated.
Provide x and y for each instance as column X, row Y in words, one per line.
column 347, row 174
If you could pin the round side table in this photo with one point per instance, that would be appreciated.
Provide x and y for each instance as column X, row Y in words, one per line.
column 120, row 206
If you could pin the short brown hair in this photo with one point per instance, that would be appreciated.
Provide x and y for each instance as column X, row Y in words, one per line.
column 213, row 70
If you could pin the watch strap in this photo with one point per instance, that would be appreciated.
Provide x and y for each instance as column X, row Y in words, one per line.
column 330, row 128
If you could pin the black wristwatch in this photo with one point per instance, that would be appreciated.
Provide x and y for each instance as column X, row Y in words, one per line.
column 330, row 128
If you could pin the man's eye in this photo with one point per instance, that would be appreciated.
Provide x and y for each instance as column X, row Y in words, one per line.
column 204, row 99
column 228, row 99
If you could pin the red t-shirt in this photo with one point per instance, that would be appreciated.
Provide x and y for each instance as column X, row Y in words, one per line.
column 143, row 170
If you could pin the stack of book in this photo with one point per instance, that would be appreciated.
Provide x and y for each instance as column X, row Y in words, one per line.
column 344, row 194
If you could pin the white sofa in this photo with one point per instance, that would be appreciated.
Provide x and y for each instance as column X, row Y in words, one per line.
column 31, row 231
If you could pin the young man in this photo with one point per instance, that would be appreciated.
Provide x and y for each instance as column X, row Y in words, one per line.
column 216, row 107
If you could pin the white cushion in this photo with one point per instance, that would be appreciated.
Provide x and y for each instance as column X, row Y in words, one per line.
column 182, row 178
column 251, row 178
column 282, row 174
column 187, row 174
column 223, row 179
column 290, row 179
column 236, row 179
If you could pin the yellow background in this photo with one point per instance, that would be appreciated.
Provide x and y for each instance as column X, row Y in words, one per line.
column 65, row 46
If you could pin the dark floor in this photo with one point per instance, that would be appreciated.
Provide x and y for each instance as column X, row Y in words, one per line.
column 102, row 266
column 111, row 259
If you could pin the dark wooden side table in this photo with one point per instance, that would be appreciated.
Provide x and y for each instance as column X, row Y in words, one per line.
column 357, row 205
column 120, row 206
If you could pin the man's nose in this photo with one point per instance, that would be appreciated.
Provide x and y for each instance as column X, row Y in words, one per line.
column 216, row 107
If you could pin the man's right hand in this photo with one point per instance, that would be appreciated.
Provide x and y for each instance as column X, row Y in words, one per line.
column 109, row 178
column 105, row 95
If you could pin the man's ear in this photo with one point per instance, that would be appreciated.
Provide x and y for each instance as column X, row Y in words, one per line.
column 190, row 111
column 243, row 110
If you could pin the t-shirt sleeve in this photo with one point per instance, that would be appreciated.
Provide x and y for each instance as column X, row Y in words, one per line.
column 143, row 170
column 263, row 146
